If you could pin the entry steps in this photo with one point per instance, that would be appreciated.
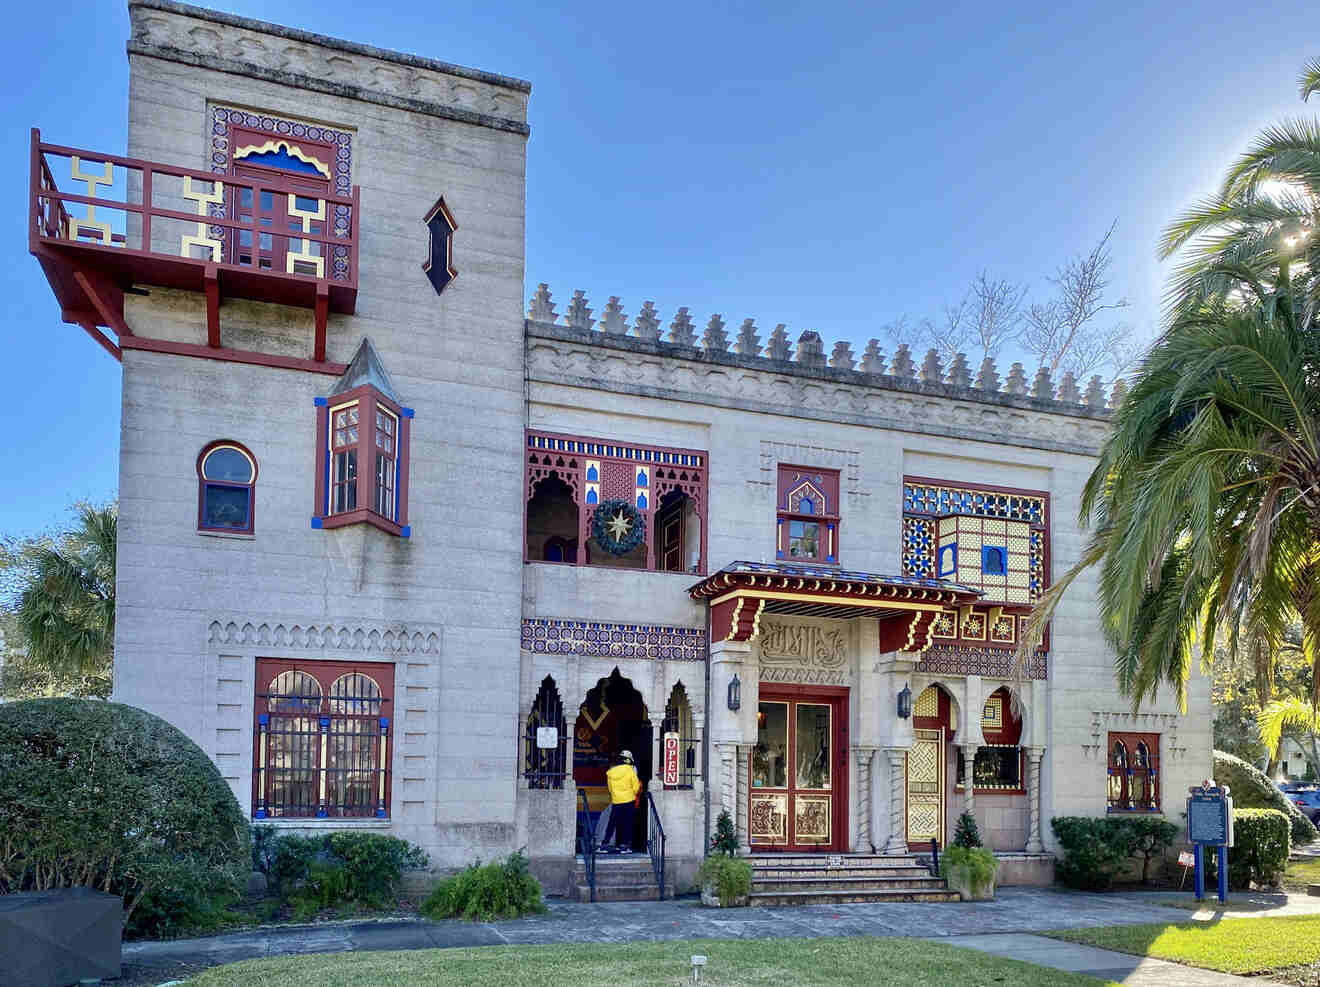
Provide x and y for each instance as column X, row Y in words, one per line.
column 624, row 877
column 835, row 879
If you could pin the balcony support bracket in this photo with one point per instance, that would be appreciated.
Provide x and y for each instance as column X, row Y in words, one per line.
column 106, row 298
column 212, row 284
column 322, row 311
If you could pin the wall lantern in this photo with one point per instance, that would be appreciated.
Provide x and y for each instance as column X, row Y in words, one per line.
column 735, row 693
column 905, row 703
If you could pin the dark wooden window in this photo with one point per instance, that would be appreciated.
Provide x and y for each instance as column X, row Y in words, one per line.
column 807, row 515
column 226, row 485
column 362, row 461
column 304, row 164
column 321, row 744
column 1134, row 780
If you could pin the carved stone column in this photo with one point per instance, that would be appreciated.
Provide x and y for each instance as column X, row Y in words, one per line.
column 969, row 780
column 742, row 795
column 897, row 842
column 728, row 784
column 1034, row 842
column 863, row 800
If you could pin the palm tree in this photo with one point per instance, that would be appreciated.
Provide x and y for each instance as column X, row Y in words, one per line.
column 1255, row 238
column 1206, row 497
column 66, row 602
column 1290, row 714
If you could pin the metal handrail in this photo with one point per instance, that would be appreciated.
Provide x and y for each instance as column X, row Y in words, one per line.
column 587, row 841
column 656, row 847
column 935, row 856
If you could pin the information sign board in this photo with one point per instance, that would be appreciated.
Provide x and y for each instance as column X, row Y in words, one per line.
column 1210, row 819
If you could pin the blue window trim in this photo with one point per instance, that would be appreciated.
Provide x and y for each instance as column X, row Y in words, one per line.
column 985, row 560
column 941, row 571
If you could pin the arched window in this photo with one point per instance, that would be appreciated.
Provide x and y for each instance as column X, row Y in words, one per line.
column 322, row 739
column 226, row 481
column 546, row 740
column 1134, row 784
column 679, row 720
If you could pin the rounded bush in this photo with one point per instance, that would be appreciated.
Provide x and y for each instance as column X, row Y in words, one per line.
column 109, row 796
column 1250, row 789
column 1259, row 854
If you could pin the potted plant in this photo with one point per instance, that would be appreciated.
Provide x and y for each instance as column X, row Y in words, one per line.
column 724, row 877
column 967, row 866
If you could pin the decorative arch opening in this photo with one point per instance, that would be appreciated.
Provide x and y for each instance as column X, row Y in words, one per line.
column 545, row 739
column 934, row 725
column 552, row 520
column 677, row 533
column 999, row 764
column 679, row 767
column 612, row 718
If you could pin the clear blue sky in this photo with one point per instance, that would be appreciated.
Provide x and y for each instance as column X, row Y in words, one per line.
column 830, row 166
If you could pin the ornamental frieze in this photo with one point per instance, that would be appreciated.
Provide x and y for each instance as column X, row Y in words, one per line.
column 597, row 639
column 802, row 644
column 804, row 676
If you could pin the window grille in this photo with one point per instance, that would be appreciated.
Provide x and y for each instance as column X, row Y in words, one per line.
column 321, row 741
column 678, row 719
column 1133, row 772
column 545, row 757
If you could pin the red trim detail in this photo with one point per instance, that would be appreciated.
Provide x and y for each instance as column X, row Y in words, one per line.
column 212, row 307
column 359, row 516
column 232, row 356
column 368, row 399
column 89, row 326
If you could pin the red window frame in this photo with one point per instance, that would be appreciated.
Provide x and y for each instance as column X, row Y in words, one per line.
column 203, row 483
column 1124, row 774
column 345, row 725
column 788, row 513
column 362, row 498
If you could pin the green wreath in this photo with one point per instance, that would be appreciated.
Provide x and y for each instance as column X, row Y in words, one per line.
column 618, row 527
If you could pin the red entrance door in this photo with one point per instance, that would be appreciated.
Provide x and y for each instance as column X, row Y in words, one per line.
column 798, row 775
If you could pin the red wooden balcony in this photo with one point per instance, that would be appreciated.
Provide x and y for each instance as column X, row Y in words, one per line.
column 110, row 224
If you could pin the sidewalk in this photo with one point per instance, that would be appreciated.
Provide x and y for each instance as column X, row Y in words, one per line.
column 1016, row 910
column 1131, row 971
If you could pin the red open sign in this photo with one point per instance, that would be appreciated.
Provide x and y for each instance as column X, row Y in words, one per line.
column 671, row 759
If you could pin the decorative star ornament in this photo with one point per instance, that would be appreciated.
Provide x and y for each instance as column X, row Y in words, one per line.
column 618, row 526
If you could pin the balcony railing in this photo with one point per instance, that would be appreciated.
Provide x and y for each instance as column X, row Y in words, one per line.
column 119, row 222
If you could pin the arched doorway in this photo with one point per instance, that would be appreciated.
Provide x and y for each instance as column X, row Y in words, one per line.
column 612, row 718
column 934, row 724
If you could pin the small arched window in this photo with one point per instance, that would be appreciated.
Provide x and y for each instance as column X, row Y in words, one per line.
column 226, row 481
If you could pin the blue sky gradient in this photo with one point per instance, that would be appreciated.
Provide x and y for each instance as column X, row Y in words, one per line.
column 829, row 166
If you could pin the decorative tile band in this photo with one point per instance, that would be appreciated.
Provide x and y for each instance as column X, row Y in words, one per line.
column 949, row 659
column 600, row 640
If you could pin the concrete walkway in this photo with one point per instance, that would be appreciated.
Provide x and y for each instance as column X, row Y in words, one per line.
column 1016, row 910
column 1133, row 971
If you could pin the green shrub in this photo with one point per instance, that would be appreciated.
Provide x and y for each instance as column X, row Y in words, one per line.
column 1250, row 789
column 726, row 837
column 109, row 796
column 966, row 833
column 1096, row 849
column 501, row 889
column 730, row 877
column 327, row 870
column 976, row 865
column 1091, row 854
column 1260, row 849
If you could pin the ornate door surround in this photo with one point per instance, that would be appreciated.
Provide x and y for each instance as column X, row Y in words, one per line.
column 798, row 770
column 925, row 788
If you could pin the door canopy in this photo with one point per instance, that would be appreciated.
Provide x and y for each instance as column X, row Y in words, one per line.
column 906, row 606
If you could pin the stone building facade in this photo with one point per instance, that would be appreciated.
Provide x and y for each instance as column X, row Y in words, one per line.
column 400, row 553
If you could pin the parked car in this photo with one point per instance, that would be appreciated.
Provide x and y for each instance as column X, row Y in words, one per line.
column 1306, row 796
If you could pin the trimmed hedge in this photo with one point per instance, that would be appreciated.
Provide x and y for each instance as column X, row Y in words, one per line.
column 502, row 889
column 104, row 795
column 326, row 870
column 1250, row 789
column 1260, row 849
column 1096, row 849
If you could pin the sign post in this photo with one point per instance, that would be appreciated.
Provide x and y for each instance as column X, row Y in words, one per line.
column 1210, row 824
column 671, row 759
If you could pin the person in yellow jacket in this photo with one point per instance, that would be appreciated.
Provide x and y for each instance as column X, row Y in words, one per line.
column 625, row 787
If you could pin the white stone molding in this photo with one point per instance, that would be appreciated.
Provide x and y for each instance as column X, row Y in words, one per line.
column 1126, row 721
column 846, row 461
column 897, row 842
column 364, row 639
column 1034, row 842
column 741, row 769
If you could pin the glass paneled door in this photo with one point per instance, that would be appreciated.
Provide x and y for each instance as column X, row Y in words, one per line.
column 798, row 773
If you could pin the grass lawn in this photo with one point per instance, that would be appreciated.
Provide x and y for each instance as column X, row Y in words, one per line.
column 1300, row 873
column 772, row 962
column 1235, row 945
